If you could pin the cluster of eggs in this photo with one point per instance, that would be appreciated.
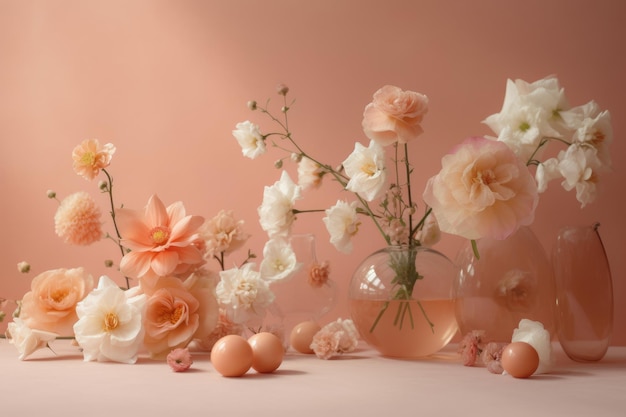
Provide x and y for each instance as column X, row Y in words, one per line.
column 233, row 355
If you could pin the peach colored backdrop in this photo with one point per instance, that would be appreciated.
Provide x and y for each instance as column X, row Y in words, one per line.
column 166, row 81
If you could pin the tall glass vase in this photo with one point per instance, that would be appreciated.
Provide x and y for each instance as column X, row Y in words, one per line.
column 584, row 293
column 512, row 280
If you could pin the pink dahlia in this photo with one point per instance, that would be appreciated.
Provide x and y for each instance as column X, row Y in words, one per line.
column 162, row 241
column 90, row 157
column 77, row 220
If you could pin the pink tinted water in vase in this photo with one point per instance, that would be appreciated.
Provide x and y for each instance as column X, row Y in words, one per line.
column 405, row 342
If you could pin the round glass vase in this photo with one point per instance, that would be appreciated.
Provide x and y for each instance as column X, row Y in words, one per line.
column 401, row 301
column 511, row 280
column 584, row 292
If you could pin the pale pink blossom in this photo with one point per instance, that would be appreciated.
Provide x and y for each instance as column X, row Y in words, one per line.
column 342, row 224
column 491, row 357
column 471, row 347
column 50, row 305
column 276, row 212
column 318, row 274
column 178, row 312
column 27, row 340
column 90, row 157
column 335, row 338
column 179, row 359
column 223, row 234
column 430, row 233
column 482, row 190
column 162, row 241
column 397, row 230
column 78, row 220
column 224, row 327
column 310, row 173
column 394, row 115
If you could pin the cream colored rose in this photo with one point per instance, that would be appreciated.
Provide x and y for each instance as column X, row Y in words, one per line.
column 25, row 339
column 482, row 190
column 50, row 305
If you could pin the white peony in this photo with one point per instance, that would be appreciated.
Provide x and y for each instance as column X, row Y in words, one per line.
column 250, row 139
column 342, row 223
column 366, row 169
column 243, row 293
column 279, row 260
column 110, row 323
column 276, row 211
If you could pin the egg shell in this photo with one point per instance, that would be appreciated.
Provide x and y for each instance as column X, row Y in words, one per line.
column 302, row 335
column 520, row 359
column 231, row 356
column 267, row 352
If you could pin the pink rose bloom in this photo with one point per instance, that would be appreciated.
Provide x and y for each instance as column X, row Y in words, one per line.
column 77, row 220
column 471, row 347
column 482, row 190
column 50, row 305
column 90, row 157
column 224, row 327
column 318, row 274
column 162, row 241
column 394, row 115
column 491, row 357
column 178, row 312
column 179, row 360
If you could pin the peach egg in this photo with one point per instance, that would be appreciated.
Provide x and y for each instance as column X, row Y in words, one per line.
column 232, row 355
column 302, row 336
column 267, row 352
column 520, row 359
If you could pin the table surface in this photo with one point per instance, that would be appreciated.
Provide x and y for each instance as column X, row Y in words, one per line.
column 361, row 383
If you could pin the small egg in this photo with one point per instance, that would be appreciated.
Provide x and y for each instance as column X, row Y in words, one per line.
column 302, row 336
column 231, row 355
column 267, row 352
column 520, row 359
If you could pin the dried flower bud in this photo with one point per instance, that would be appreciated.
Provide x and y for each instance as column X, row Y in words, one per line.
column 296, row 157
column 23, row 267
column 282, row 89
column 278, row 164
column 51, row 194
column 2, row 316
column 103, row 186
column 108, row 263
column 284, row 109
column 252, row 104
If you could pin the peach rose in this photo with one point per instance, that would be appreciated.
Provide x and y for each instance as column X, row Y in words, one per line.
column 177, row 312
column 394, row 115
column 50, row 305
column 482, row 190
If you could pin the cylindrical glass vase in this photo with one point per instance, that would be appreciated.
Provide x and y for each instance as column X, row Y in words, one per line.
column 402, row 303
column 584, row 293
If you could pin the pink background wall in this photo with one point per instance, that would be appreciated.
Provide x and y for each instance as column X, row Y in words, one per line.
column 166, row 81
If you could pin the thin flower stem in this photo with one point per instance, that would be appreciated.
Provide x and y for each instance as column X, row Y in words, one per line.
column 112, row 212
column 408, row 191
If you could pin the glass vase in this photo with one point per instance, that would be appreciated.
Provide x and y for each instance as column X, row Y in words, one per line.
column 584, row 293
column 511, row 280
column 309, row 293
column 402, row 303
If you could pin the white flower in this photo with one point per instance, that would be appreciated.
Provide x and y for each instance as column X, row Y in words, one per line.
column 110, row 323
column 27, row 340
column 529, row 113
column 250, row 139
column 533, row 333
column 546, row 172
column 243, row 293
column 336, row 337
column 579, row 165
column 591, row 127
column 279, row 260
column 276, row 211
column 430, row 233
column 366, row 169
column 309, row 173
column 342, row 223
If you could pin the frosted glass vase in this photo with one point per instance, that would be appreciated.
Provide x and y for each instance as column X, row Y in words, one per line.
column 584, row 293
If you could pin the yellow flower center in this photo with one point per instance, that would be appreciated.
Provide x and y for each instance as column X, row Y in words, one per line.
column 369, row 169
column 176, row 315
column 58, row 295
column 524, row 126
column 160, row 235
column 88, row 158
column 111, row 321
